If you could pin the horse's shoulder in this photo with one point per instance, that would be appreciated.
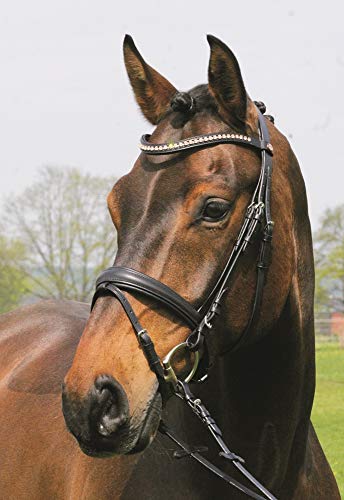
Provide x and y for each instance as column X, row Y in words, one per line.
column 43, row 319
column 38, row 342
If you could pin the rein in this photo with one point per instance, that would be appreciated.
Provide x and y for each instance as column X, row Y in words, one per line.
column 114, row 280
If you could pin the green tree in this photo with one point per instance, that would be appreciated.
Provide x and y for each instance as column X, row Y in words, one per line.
column 12, row 280
column 63, row 222
column 329, row 260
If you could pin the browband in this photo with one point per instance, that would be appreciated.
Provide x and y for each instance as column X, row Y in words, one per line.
column 135, row 281
column 202, row 141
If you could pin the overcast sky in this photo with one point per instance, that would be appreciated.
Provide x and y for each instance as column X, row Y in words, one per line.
column 65, row 98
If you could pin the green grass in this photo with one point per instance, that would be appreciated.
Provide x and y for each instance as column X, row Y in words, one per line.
column 328, row 409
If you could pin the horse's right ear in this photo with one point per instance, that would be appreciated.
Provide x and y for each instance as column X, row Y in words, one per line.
column 152, row 91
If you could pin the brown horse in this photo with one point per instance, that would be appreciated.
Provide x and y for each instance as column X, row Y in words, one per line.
column 177, row 218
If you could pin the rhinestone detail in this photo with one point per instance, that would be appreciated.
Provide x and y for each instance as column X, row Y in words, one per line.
column 198, row 140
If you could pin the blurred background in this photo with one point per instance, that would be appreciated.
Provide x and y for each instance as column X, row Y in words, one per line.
column 69, row 127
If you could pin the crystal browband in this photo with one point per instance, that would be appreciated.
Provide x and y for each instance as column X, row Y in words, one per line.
column 201, row 141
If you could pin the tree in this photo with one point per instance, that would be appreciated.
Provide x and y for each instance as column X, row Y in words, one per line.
column 63, row 223
column 12, row 280
column 329, row 260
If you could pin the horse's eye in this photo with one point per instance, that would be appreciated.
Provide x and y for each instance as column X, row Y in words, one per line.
column 215, row 210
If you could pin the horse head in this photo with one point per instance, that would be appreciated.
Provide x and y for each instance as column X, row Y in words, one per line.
column 177, row 218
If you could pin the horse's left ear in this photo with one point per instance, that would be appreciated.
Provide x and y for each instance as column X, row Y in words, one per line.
column 227, row 86
column 152, row 91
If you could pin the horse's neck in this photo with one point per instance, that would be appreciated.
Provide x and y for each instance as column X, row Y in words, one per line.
column 262, row 398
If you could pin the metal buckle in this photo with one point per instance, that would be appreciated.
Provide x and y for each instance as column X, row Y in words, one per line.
column 259, row 206
column 207, row 320
column 169, row 373
column 139, row 337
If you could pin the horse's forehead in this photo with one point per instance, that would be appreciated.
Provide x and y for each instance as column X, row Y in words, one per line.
column 143, row 185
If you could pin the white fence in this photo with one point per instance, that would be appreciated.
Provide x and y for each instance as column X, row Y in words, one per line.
column 329, row 328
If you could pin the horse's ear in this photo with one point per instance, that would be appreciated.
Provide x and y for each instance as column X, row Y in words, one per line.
column 227, row 86
column 152, row 91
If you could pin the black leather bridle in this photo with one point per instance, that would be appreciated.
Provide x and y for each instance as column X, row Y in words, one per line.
column 114, row 280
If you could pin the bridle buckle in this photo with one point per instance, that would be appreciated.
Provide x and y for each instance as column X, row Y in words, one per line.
column 140, row 337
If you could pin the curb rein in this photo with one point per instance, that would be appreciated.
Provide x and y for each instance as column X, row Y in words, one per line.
column 115, row 279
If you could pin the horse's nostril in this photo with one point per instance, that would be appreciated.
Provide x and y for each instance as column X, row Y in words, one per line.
column 110, row 405
column 112, row 417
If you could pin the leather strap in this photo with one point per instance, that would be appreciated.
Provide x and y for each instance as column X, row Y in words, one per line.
column 198, row 408
column 144, row 340
column 202, row 141
column 196, row 455
column 265, row 246
column 135, row 281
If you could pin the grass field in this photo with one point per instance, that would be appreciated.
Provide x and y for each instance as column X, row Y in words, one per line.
column 328, row 410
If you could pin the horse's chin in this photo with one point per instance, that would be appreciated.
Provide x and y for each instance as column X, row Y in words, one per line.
column 134, row 439
column 150, row 425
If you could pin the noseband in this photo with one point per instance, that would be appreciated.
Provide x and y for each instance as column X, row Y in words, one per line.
column 115, row 280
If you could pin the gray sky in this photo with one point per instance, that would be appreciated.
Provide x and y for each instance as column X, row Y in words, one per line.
column 65, row 98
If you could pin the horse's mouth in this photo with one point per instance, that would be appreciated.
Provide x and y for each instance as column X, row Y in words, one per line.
column 133, row 437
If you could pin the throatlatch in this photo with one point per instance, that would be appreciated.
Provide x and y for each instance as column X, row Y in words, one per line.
column 117, row 279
